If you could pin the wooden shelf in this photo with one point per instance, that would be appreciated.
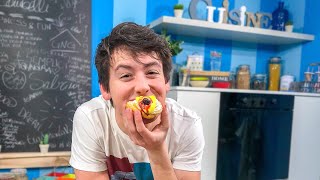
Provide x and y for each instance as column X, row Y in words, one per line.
column 34, row 159
column 201, row 28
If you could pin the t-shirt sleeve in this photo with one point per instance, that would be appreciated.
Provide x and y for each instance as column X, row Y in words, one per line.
column 189, row 154
column 86, row 152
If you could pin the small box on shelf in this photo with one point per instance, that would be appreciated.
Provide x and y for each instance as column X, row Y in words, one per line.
column 206, row 78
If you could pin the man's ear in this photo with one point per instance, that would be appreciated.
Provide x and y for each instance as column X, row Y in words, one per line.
column 104, row 93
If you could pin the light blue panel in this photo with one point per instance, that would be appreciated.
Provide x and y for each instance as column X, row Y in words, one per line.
column 264, row 52
column 296, row 10
column 268, row 6
column 132, row 11
column 45, row 171
column 186, row 4
column 252, row 6
column 190, row 46
column 222, row 46
column 243, row 53
column 291, row 56
column 101, row 21
column 310, row 50
column 156, row 9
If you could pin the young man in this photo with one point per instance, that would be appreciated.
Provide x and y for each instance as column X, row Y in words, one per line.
column 110, row 141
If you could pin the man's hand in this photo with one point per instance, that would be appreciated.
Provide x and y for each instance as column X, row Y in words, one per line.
column 151, row 140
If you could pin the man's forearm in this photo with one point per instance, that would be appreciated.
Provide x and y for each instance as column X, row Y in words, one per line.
column 161, row 165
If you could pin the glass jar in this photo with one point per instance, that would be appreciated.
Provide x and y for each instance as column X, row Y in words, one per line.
column 215, row 61
column 20, row 174
column 243, row 77
column 232, row 80
column 259, row 82
column 274, row 73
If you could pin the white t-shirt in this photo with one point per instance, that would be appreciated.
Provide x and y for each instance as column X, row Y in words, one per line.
column 98, row 144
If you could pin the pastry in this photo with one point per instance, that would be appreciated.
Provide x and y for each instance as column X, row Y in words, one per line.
column 149, row 107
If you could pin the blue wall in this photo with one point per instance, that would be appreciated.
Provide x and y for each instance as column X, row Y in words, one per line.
column 296, row 58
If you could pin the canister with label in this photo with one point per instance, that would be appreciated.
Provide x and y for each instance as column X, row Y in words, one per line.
column 286, row 80
column 274, row 73
column 243, row 77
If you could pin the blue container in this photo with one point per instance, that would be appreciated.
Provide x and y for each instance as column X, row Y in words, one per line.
column 279, row 17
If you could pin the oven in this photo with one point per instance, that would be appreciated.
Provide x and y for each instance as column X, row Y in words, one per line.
column 254, row 136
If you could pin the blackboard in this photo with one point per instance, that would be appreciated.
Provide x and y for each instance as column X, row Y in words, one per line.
column 44, row 71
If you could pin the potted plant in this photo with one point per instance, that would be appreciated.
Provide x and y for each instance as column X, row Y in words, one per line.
column 178, row 10
column 174, row 45
column 44, row 143
column 289, row 26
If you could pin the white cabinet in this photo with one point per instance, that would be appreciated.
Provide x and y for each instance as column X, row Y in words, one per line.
column 305, row 143
column 206, row 104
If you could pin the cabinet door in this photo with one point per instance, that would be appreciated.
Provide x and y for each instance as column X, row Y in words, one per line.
column 206, row 105
column 305, row 143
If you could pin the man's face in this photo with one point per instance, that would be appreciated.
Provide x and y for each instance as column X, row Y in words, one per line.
column 130, row 78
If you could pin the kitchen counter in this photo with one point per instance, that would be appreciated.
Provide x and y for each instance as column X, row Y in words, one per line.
column 185, row 88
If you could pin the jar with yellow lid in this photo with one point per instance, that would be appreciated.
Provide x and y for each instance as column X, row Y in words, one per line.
column 243, row 77
column 274, row 73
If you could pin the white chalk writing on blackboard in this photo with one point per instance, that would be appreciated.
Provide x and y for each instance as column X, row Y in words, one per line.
column 39, row 6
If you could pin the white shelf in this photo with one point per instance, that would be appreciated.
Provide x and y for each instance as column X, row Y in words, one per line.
column 201, row 28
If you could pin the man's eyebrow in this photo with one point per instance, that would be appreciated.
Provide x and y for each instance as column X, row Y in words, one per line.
column 154, row 63
column 123, row 66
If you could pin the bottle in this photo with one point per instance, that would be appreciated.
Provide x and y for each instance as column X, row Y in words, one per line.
column 243, row 77
column 274, row 73
column 232, row 80
column 279, row 17
column 215, row 61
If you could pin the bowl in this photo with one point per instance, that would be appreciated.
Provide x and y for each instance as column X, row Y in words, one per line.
column 199, row 83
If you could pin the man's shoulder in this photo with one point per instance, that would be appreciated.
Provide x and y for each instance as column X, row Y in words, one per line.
column 94, row 104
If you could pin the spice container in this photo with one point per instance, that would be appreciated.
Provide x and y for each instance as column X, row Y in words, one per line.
column 259, row 82
column 286, row 80
column 243, row 77
column 274, row 73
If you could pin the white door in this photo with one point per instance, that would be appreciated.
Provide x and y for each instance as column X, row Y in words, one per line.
column 206, row 105
column 305, row 140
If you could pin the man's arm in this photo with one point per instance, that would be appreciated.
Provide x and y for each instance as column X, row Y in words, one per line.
column 85, row 175
column 154, row 142
column 162, row 168
column 188, row 175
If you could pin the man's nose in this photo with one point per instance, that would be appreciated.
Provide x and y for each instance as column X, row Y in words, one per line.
column 142, row 85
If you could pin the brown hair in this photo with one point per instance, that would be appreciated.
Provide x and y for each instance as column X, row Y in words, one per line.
column 135, row 39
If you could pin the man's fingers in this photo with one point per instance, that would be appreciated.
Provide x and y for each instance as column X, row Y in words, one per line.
column 141, row 128
column 131, row 127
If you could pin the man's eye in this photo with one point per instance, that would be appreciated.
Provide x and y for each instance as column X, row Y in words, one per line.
column 124, row 76
column 153, row 72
